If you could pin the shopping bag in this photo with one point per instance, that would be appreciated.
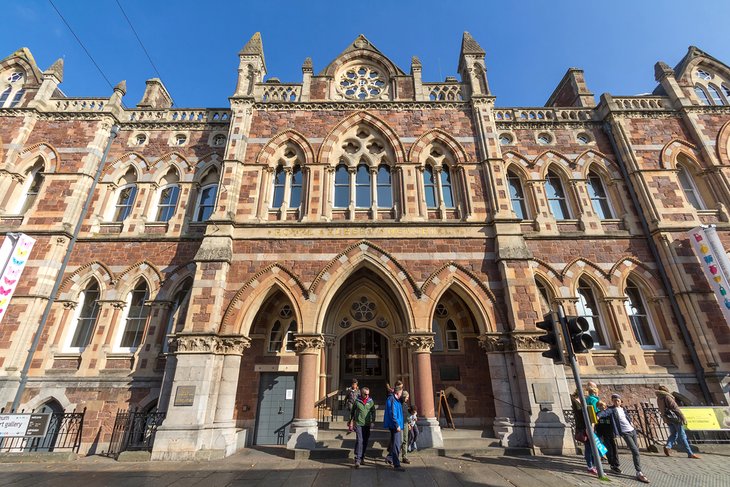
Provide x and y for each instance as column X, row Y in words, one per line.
column 602, row 450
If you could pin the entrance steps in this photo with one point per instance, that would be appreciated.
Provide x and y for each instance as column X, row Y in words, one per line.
column 335, row 441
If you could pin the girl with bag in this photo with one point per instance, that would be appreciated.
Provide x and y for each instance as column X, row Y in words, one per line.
column 581, row 432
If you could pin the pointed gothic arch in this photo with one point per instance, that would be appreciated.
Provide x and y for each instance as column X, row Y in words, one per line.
column 144, row 269
column 723, row 143
column 552, row 159
column 575, row 267
column 45, row 151
column 415, row 154
column 115, row 170
column 515, row 158
column 247, row 301
column 456, row 278
column 672, row 149
column 71, row 285
column 382, row 127
column 265, row 156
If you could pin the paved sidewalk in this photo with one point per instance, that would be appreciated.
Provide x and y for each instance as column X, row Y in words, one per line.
column 267, row 468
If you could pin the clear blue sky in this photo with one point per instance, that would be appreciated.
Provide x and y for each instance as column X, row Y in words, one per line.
column 529, row 44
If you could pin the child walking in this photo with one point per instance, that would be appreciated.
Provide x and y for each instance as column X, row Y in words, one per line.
column 412, row 428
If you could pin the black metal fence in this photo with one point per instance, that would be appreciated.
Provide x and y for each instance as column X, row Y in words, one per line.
column 652, row 430
column 64, row 434
column 134, row 431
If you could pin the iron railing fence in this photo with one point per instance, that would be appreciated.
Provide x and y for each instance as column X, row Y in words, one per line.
column 64, row 433
column 652, row 430
column 134, row 431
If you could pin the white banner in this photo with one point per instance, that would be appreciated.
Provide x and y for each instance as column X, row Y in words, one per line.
column 714, row 262
column 14, row 252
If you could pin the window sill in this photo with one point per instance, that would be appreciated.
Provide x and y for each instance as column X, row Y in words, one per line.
column 111, row 227
column 156, row 227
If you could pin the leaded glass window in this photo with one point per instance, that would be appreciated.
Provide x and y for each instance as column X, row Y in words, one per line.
column 599, row 199
column 556, row 197
column 168, row 202
column 517, row 197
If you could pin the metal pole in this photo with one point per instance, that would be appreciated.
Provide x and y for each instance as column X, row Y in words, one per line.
column 579, row 386
column 59, row 277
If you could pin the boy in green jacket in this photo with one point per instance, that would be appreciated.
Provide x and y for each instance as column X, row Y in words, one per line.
column 362, row 418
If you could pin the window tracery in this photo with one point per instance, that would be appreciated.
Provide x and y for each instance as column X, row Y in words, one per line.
column 362, row 82
column 710, row 89
column 13, row 92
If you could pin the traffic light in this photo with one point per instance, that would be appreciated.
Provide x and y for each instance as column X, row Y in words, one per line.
column 581, row 341
column 551, row 337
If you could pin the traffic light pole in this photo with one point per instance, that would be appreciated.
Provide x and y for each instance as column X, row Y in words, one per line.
column 579, row 386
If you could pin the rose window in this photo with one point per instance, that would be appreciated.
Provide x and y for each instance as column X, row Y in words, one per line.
column 361, row 83
column 363, row 310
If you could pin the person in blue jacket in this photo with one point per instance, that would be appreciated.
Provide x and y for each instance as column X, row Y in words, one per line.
column 393, row 421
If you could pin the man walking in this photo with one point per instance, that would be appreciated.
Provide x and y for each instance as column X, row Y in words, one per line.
column 622, row 426
column 362, row 417
column 393, row 421
column 675, row 419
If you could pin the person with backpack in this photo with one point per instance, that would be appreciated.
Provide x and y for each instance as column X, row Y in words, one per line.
column 362, row 416
column 675, row 419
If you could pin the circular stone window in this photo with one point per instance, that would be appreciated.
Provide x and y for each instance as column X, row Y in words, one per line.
column 505, row 139
column 361, row 83
column 363, row 310
column 583, row 139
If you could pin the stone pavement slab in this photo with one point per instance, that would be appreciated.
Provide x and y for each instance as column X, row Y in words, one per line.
column 253, row 468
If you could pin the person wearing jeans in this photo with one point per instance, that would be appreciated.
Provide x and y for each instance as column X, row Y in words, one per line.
column 622, row 426
column 393, row 421
column 676, row 421
column 362, row 416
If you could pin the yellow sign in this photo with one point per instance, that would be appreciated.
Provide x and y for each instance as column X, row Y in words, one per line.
column 707, row 418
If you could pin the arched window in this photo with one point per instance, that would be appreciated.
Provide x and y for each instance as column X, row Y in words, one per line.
column 295, row 193
column 290, row 333
column 429, row 186
column 13, row 92
column 279, row 186
column 689, row 188
column 206, row 199
column 85, row 320
column 169, row 193
column 178, row 311
column 517, row 197
column 362, row 187
column 556, row 196
column 275, row 337
column 342, row 187
column 126, row 194
column 545, row 297
column 31, row 187
column 385, row 188
column 715, row 95
column 700, row 92
column 5, row 95
column 446, row 190
column 599, row 199
column 438, row 341
column 135, row 317
column 588, row 309
column 639, row 318
column 452, row 337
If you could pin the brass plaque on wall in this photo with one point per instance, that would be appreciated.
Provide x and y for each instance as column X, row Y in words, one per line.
column 184, row 396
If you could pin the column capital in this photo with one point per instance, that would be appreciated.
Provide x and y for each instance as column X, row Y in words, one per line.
column 517, row 341
column 309, row 343
column 496, row 342
column 420, row 342
column 209, row 343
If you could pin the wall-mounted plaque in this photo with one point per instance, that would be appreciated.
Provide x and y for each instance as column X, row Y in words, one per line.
column 184, row 395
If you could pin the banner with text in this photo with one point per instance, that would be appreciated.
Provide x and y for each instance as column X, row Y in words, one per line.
column 707, row 418
column 14, row 254
column 714, row 262
column 25, row 425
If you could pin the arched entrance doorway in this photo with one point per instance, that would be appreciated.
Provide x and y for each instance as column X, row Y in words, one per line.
column 364, row 356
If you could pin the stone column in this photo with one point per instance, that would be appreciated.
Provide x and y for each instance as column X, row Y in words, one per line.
column 303, row 433
column 421, row 344
column 199, row 423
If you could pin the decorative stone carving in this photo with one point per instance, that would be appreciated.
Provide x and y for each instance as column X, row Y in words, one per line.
column 308, row 343
column 212, row 344
column 511, row 342
column 421, row 342
column 496, row 342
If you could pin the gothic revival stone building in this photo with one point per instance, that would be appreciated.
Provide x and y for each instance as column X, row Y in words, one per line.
column 361, row 223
